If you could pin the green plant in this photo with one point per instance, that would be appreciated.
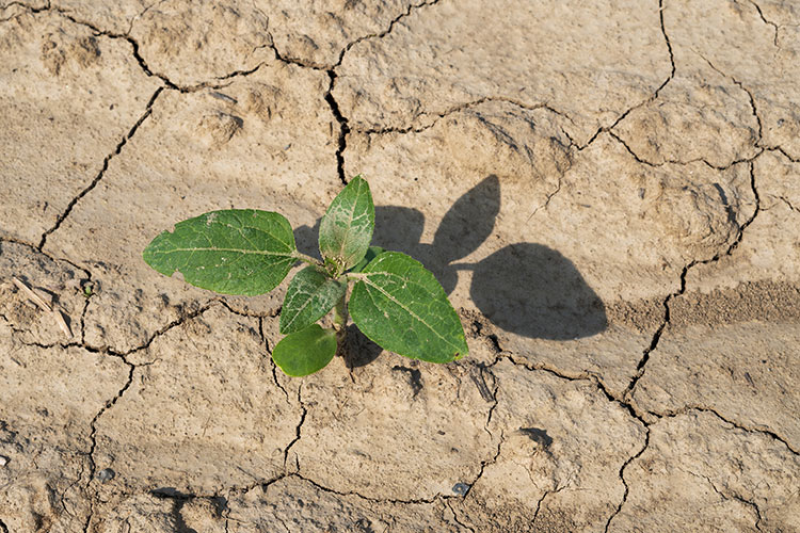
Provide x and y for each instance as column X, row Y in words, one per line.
column 395, row 301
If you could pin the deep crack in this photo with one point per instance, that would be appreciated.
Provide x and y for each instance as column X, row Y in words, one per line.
column 344, row 127
column 344, row 124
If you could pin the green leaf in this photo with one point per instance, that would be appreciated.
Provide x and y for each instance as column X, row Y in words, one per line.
column 306, row 351
column 310, row 296
column 372, row 253
column 238, row 251
column 399, row 305
column 346, row 229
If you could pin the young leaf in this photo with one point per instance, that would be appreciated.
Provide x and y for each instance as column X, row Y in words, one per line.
column 306, row 351
column 346, row 229
column 237, row 251
column 372, row 253
column 399, row 305
column 311, row 294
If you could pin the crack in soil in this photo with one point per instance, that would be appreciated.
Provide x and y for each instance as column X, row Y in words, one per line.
column 344, row 126
column 753, row 108
column 435, row 117
column 738, row 425
column 622, row 477
column 368, row 498
column 578, row 376
column 639, row 159
column 641, row 366
column 650, row 99
column 768, row 22
column 208, row 84
column 297, row 475
column 549, row 197
column 35, row 249
column 25, row 7
column 627, row 406
column 387, row 31
column 274, row 366
column 734, row 497
column 789, row 204
column 539, row 506
column 669, row 46
column 330, row 70
column 449, row 504
column 106, row 162
column 108, row 405
column 298, row 429
column 785, row 154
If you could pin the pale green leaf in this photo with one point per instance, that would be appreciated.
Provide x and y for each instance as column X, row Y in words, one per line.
column 310, row 296
column 306, row 351
column 237, row 251
column 401, row 306
column 346, row 229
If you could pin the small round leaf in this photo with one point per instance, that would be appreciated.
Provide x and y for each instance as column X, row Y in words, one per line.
column 305, row 352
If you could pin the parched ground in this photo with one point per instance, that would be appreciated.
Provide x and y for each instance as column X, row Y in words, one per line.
column 608, row 190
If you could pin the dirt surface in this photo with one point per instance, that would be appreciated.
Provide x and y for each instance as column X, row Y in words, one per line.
column 609, row 191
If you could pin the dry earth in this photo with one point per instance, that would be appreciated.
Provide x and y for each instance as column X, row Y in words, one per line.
column 609, row 191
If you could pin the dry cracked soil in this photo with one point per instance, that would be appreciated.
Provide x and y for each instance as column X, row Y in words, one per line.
column 609, row 192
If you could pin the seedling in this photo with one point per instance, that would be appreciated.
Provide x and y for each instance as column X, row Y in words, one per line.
column 394, row 300
column 87, row 289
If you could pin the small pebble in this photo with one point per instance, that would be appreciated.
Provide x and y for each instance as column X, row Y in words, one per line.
column 3, row 460
column 106, row 475
column 461, row 489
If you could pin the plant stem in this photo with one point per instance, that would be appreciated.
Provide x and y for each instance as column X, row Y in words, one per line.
column 340, row 316
column 307, row 259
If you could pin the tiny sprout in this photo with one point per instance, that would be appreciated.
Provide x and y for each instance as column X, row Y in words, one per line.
column 87, row 289
column 394, row 300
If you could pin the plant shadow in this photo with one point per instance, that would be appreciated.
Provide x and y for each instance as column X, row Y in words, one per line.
column 527, row 289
